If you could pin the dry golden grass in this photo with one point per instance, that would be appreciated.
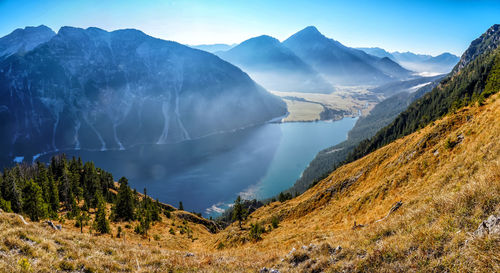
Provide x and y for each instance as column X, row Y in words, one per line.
column 446, row 192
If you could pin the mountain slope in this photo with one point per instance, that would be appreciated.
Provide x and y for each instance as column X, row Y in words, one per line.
column 366, row 127
column 24, row 40
column 467, row 85
column 341, row 64
column 274, row 66
column 92, row 89
column 446, row 192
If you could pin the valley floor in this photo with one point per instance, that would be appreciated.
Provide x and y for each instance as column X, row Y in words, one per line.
column 446, row 176
column 348, row 101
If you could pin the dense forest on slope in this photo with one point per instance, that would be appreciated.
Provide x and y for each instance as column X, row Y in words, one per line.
column 76, row 190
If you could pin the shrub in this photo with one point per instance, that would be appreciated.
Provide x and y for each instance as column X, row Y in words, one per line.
column 275, row 222
column 256, row 231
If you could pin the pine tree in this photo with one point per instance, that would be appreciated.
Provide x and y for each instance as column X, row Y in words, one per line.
column 238, row 211
column 181, row 207
column 11, row 192
column 42, row 180
column 124, row 205
column 53, row 196
column 101, row 222
column 34, row 205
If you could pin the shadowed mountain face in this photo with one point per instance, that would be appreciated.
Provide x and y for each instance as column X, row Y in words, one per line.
column 275, row 66
column 92, row 89
column 341, row 64
column 24, row 40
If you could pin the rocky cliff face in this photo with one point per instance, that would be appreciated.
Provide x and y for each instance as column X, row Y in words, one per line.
column 92, row 89
column 489, row 41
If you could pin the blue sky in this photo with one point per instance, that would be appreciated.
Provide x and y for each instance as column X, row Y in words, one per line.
column 419, row 26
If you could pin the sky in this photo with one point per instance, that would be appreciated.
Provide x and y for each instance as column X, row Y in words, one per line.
column 424, row 26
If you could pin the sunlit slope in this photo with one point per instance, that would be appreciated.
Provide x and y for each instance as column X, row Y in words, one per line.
column 447, row 176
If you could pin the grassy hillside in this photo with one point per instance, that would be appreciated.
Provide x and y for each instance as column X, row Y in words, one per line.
column 447, row 177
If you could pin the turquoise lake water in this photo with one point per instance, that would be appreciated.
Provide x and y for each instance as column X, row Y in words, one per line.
column 208, row 174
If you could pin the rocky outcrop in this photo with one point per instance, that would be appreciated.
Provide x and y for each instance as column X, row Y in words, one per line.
column 488, row 226
column 487, row 42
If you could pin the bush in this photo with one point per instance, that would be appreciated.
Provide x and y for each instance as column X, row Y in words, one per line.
column 256, row 231
column 275, row 222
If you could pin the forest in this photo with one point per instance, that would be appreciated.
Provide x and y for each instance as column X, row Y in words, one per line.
column 76, row 190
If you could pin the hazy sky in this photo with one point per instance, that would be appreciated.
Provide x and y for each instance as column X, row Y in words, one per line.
column 419, row 26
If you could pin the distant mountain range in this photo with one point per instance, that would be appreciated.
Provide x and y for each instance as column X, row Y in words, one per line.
column 275, row 66
column 93, row 89
column 212, row 48
column 342, row 65
column 440, row 64
column 310, row 62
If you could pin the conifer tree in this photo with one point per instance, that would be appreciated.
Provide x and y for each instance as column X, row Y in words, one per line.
column 124, row 205
column 181, row 207
column 42, row 179
column 11, row 192
column 101, row 222
column 53, row 196
column 238, row 211
column 33, row 203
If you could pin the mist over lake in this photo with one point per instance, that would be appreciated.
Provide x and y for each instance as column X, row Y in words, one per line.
column 207, row 174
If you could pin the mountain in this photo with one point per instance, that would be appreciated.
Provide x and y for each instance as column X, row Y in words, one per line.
column 212, row 48
column 428, row 201
column 341, row 64
column 399, row 96
column 275, row 66
column 378, row 52
column 97, row 90
column 442, row 63
column 489, row 41
column 405, row 113
column 473, row 80
column 23, row 40
column 410, row 86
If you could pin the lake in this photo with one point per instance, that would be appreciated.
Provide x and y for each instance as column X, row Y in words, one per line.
column 208, row 174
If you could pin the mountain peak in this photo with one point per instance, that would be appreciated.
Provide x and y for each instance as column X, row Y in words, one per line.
column 23, row 40
column 310, row 31
column 488, row 41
